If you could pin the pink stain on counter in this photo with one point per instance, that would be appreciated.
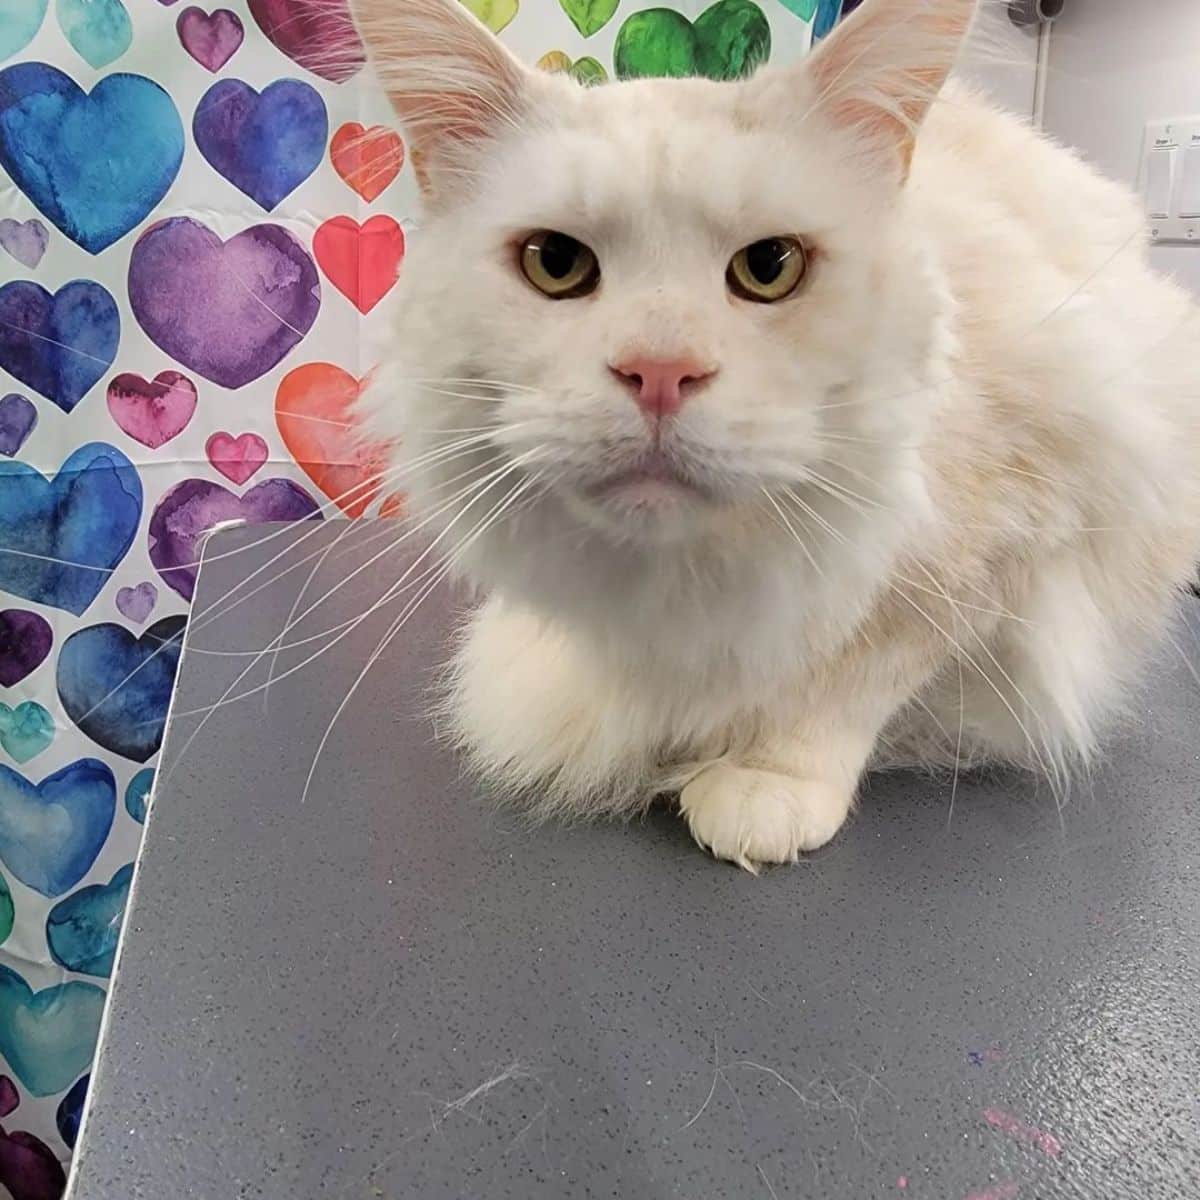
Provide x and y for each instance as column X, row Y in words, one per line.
column 1002, row 1191
column 1047, row 1143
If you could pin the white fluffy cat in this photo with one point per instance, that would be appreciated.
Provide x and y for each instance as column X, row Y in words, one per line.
column 823, row 419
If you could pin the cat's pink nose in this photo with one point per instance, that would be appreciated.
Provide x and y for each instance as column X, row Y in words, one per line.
column 661, row 385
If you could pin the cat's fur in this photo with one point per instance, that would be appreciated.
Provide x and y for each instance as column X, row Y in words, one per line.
column 954, row 483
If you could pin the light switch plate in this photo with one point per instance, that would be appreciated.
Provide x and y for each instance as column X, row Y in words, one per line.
column 1181, row 134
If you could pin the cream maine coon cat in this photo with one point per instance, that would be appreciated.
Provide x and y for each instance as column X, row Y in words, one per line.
column 827, row 418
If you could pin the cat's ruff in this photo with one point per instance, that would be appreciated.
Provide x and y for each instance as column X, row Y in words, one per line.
column 931, row 506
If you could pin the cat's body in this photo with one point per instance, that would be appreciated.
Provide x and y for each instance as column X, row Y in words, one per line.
column 930, row 508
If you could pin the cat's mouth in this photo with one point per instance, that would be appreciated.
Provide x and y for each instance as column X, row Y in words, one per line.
column 655, row 479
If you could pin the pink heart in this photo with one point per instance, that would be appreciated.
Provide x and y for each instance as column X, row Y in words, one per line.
column 237, row 458
column 152, row 412
column 210, row 38
column 137, row 603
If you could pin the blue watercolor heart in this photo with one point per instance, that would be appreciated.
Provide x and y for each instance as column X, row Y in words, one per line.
column 95, row 165
column 826, row 17
column 18, row 24
column 266, row 145
column 48, row 1037
column 59, row 345
column 99, row 30
column 116, row 686
column 70, row 1110
column 137, row 794
column 51, row 832
column 61, row 538
column 25, row 731
column 83, row 929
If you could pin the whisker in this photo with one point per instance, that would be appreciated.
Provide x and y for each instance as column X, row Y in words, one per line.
column 399, row 623
column 391, row 593
column 798, row 539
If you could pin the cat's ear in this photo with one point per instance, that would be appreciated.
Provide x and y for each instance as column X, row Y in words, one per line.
column 451, row 82
column 877, row 74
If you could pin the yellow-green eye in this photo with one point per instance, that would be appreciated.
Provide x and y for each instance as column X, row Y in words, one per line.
column 558, row 265
column 767, row 271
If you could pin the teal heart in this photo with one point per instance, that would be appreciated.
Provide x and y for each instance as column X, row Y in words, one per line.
column 48, row 1037
column 804, row 9
column 83, row 929
column 19, row 21
column 99, row 30
column 25, row 731
column 137, row 794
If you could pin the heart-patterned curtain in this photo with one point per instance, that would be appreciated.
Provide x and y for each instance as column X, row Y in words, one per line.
column 201, row 214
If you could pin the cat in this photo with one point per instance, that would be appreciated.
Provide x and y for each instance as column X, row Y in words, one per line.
column 823, row 420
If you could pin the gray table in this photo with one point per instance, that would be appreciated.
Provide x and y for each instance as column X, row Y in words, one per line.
column 390, row 990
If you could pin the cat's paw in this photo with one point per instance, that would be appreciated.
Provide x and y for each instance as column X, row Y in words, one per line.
column 751, row 817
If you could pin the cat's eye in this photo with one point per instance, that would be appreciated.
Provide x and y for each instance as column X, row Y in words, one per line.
column 769, row 270
column 559, row 265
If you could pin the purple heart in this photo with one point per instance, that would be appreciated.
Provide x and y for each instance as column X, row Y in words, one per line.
column 137, row 603
column 210, row 38
column 59, row 344
column 17, row 419
column 191, row 508
column 227, row 310
column 10, row 1100
column 318, row 34
column 29, row 1168
column 265, row 144
column 25, row 640
column 26, row 241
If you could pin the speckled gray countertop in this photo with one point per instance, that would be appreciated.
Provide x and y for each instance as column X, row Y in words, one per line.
column 387, row 990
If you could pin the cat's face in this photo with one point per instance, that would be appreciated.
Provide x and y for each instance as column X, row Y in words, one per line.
column 657, row 305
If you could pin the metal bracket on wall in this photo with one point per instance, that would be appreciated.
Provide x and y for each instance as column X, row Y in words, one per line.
column 1031, row 12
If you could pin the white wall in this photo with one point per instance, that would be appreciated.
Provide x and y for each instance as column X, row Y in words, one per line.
column 1002, row 59
column 1114, row 65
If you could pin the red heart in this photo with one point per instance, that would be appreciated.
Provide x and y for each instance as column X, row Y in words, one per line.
column 314, row 409
column 362, row 263
column 237, row 458
column 366, row 159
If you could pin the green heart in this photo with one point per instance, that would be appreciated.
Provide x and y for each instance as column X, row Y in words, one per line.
column 6, row 910
column 495, row 14
column 25, row 731
column 726, row 41
column 583, row 70
column 589, row 16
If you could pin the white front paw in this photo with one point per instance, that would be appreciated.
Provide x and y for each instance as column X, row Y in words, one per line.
column 750, row 816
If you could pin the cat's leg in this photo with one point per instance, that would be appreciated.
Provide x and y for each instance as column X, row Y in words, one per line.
column 538, row 716
column 792, row 791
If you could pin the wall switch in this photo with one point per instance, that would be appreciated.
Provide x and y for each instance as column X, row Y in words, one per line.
column 1187, row 204
column 1160, row 180
column 1170, row 179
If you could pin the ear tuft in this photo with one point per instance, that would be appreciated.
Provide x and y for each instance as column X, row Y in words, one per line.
column 451, row 82
column 880, row 71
